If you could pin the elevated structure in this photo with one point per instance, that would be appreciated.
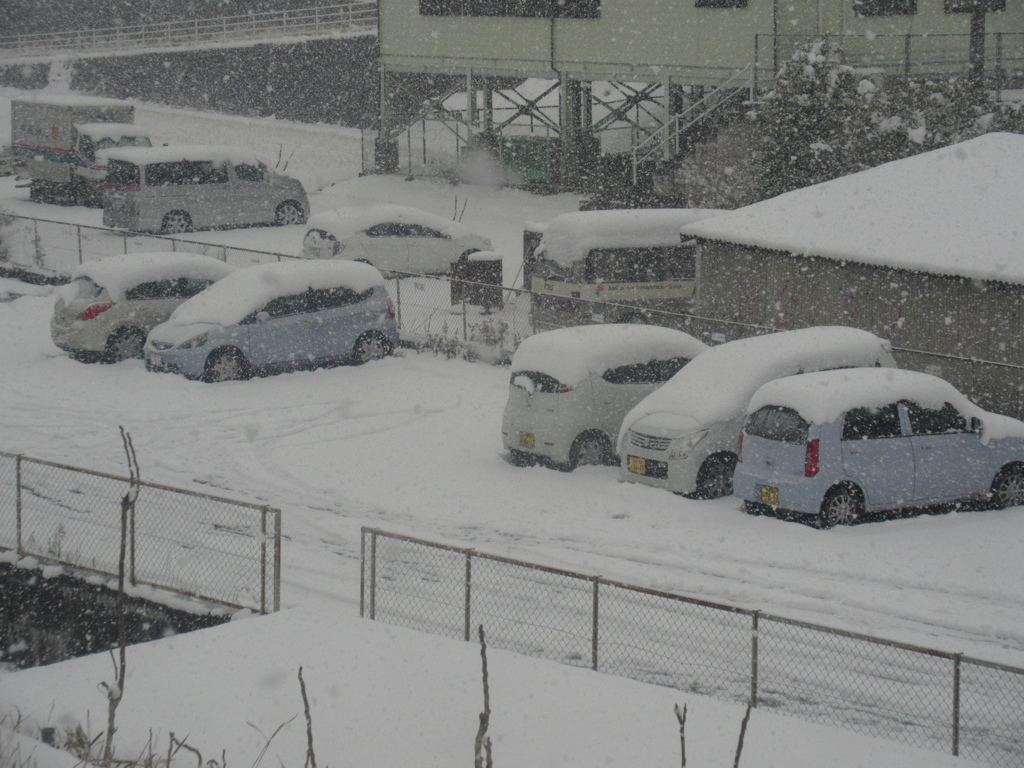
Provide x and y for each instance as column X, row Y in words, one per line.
column 659, row 56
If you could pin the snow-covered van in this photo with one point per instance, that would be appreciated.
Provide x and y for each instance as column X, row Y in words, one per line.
column 614, row 266
column 178, row 189
column 55, row 140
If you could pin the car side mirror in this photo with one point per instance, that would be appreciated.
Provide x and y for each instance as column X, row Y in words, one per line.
column 262, row 317
column 976, row 424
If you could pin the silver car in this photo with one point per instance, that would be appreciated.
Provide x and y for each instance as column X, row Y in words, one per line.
column 178, row 189
column 110, row 305
column 278, row 317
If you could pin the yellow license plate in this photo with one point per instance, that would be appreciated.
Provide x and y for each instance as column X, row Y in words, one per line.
column 770, row 495
column 527, row 440
column 637, row 465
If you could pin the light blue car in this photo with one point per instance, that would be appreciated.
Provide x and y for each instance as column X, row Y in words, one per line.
column 841, row 444
column 277, row 317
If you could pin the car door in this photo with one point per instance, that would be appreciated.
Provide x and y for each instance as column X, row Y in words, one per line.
column 879, row 456
column 387, row 246
column 951, row 461
column 253, row 194
column 280, row 334
column 429, row 250
column 339, row 315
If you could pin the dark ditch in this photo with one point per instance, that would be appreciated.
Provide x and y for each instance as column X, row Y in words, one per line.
column 44, row 620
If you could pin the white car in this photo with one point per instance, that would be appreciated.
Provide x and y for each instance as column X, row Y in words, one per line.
column 684, row 436
column 393, row 238
column 571, row 387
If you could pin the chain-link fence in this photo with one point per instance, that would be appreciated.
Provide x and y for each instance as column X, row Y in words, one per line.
column 918, row 696
column 204, row 546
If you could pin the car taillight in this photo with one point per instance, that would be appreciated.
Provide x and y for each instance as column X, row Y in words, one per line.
column 564, row 388
column 95, row 310
column 739, row 449
column 391, row 308
column 811, row 465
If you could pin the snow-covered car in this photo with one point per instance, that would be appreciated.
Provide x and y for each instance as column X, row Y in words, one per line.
column 571, row 387
column 683, row 436
column 393, row 238
column 110, row 305
column 178, row 189
column 837, row 445
column 277, row 317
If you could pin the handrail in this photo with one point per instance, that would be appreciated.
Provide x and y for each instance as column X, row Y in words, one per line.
column 355, row 15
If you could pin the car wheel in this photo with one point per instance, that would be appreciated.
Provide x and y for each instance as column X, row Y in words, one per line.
column 714, row 478
column 289, row 212
column 124, row 344
column 590, row 448
column 756, row 508
column 521, row 458
column 843, row 505
column 1008, row 487
column 176, row 222
column 226, row 365
column 371, row 346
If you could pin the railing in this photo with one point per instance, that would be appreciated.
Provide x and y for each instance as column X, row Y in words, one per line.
column 355, row 16
column 211, row 548
column 919, row 696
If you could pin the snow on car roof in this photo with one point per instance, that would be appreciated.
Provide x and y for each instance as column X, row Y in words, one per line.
column 823, row 397
column 345, row 222
column 194, row 152
column 113, row 131
column 570, row 354
column 718, row 384
column 248, row 290
column 948, row 211
column 571, row 236
column 120, row 273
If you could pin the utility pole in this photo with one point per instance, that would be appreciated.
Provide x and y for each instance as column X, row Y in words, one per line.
column 977, row 46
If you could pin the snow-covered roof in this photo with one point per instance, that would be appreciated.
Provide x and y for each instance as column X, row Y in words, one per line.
column 570, row 354
column 71, row 100
column 247, row 290
column 571, row 236
column 193, row 152
column 345, row 222
column 825, row 396
column 113, row 131
column 956, row 210
column 122, row 272
column 718, row 384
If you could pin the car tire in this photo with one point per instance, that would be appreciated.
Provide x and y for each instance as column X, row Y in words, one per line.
column 842, row 505
column 124, row 344
column 714, row 478
column 226, row 365
column 590, row 448
column 371, row 346
column 521, row 458
column 1008, row 487
column 756, row 508
column 289, row 212
column 176, row 222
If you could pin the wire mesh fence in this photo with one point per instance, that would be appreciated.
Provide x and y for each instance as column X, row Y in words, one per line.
column 918, row 696
column 203, row 546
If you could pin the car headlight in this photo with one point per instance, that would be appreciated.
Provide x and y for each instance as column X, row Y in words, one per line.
column 680, row 447
column 195, row 341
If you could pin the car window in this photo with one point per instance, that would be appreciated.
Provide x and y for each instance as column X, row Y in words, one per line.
column 872, row 423
column 640, row 265
column 540, row 382
column 186, row 172
column 175, row 288
column 935, row 421
column 250, row 172
column 331, row 298
column 388, row 229
column 84, row 288
column 638, row 373
column 415, row 230
column 776, row 422
column 123, row 174
column 283, row 306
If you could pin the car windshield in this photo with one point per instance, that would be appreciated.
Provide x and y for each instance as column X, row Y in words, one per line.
column 534, row 381
column 773, row 422
column 84, row 288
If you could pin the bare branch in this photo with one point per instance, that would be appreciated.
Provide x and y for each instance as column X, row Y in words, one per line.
column 743, row 732
column 485, row 716
column 310, row 755
column 681, row 717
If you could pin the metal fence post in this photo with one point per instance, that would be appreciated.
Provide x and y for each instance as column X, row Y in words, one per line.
column 906, row 55
column 468, row 591
column 753, row 657
column 956, row 703
column 398, row 300
column 373, row 574
column 594, row 625
column 17, row 499
column 131, row 546
column 124, row 238
column 263, row 560
column 277, row 561
column 78, row 229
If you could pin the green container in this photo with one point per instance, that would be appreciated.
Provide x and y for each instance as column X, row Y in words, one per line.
column 534, row 157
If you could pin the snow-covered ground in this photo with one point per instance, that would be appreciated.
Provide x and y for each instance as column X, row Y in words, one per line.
column 412, row 444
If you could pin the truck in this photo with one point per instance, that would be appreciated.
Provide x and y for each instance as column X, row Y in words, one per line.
column 57, row 142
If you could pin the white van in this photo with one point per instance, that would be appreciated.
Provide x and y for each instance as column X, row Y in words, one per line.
column 570, row 389
column 683, row 437
column 178, row 189
column 613, row 266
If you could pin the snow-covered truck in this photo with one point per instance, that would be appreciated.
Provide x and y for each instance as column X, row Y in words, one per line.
column 58, row 143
